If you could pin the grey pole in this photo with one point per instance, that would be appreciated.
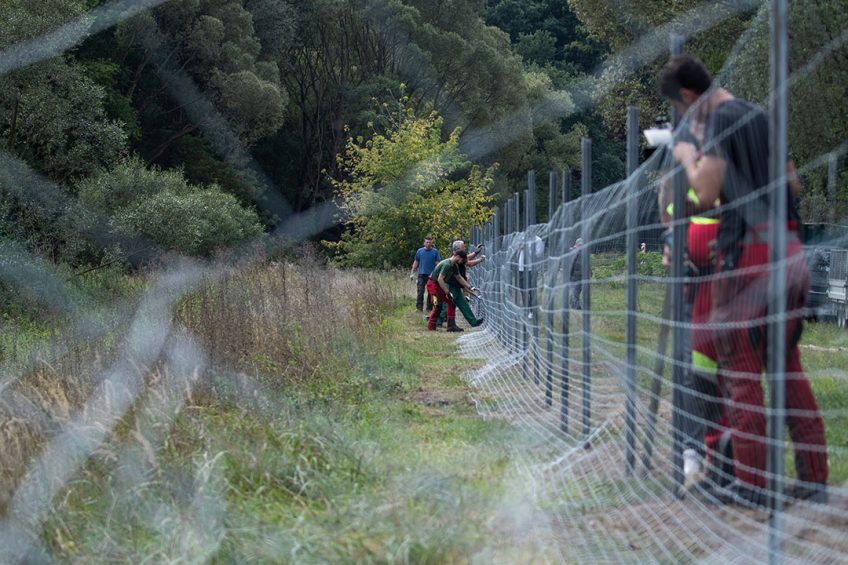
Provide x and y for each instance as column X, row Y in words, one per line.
column 631, row 243
column 517, row 211
column 496, row 246
column 525, row 283
column 517, row 321
column 532, row 270
column 552, row 194
column 566, row 297
column 831, row 187
column 506, row 291
column 586, row 190
column 549, row 302
column 496, row 229
column 776, row 332
column 680, row 364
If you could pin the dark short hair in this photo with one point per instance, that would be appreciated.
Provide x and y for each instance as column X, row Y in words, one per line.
column 684, row 71
column 462, row 254
column 428, row 237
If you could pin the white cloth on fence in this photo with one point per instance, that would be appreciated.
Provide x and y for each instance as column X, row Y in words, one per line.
column 537, row 251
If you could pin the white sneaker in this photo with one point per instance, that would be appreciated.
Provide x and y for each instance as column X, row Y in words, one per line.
column 691, row 466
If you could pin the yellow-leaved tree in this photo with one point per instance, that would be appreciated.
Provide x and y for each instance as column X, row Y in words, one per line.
column 403, row 185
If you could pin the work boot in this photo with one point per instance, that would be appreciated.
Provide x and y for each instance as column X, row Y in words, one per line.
column 478, row 324
column 737, row 492
column 452, row 327
column 811, row 492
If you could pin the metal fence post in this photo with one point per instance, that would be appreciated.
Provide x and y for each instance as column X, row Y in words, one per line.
column 549, row 302
column 525, row 282
column 831, row 188
column 776, row 332
column 565, row 263
column 506, row 275
column 498, row 300
column 517, row 321
column 678, row 307
column 552, row 195
column 532, row 270
column 586, row 190
column 631, row 243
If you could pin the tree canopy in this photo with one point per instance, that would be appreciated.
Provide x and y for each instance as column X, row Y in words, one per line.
column 261, row 104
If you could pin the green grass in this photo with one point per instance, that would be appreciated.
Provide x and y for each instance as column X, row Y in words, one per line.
column 403, row 471
column 824, row 355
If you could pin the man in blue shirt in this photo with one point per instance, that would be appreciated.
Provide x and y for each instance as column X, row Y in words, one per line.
column 425, row 261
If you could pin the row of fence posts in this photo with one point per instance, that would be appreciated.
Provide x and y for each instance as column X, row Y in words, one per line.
column 519, row 331
column 512, row 330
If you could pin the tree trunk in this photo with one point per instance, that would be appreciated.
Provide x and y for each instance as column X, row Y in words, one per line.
column 162, row 147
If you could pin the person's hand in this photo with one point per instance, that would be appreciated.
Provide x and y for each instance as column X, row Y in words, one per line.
column 482, row 258
column 412, row 276
column 666, row 258
column 684, row 152
column 475, row 291
column 480, row 248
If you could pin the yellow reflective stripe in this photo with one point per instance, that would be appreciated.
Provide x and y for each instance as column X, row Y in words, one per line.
column 703, row 221
column 693, row 198
column 703, row 363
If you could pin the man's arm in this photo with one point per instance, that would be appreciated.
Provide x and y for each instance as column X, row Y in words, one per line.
column 463, row 283
column 443, row 284
column 705, row 176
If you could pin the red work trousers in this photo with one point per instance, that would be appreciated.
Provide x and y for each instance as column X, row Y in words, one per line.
column 740, row 302
column 700, row 238
column 434, row 289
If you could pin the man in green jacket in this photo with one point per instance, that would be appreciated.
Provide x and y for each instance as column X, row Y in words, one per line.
column 444, row 272
column 456, row 291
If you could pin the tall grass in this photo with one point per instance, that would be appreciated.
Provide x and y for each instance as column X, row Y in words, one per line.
column 280, row 326
column 293, row 439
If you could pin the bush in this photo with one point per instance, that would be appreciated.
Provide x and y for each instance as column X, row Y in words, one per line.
column 117, row 188
column 163, row 207
column 195, row 223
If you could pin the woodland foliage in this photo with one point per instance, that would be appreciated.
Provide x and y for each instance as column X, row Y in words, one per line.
column 404, row 184
column 255, row 101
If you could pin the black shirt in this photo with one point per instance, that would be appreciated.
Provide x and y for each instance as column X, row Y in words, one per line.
column 738, row 133
column 461, row 272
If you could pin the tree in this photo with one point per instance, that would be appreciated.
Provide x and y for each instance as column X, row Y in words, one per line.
column 818, row 92
column 404, row 185
column 207, row 46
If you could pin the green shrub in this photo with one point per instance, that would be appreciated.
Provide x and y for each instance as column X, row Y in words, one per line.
column 163, row 207
column 114, row 189
column 195, row 223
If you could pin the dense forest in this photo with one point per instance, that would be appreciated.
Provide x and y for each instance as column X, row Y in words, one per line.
column 196, row 124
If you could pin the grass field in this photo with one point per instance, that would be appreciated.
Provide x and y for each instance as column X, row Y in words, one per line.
column 824, row 350
column 327, row 426
column 305, row 442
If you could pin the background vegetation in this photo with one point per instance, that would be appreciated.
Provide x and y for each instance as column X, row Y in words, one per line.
column 258, row 104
